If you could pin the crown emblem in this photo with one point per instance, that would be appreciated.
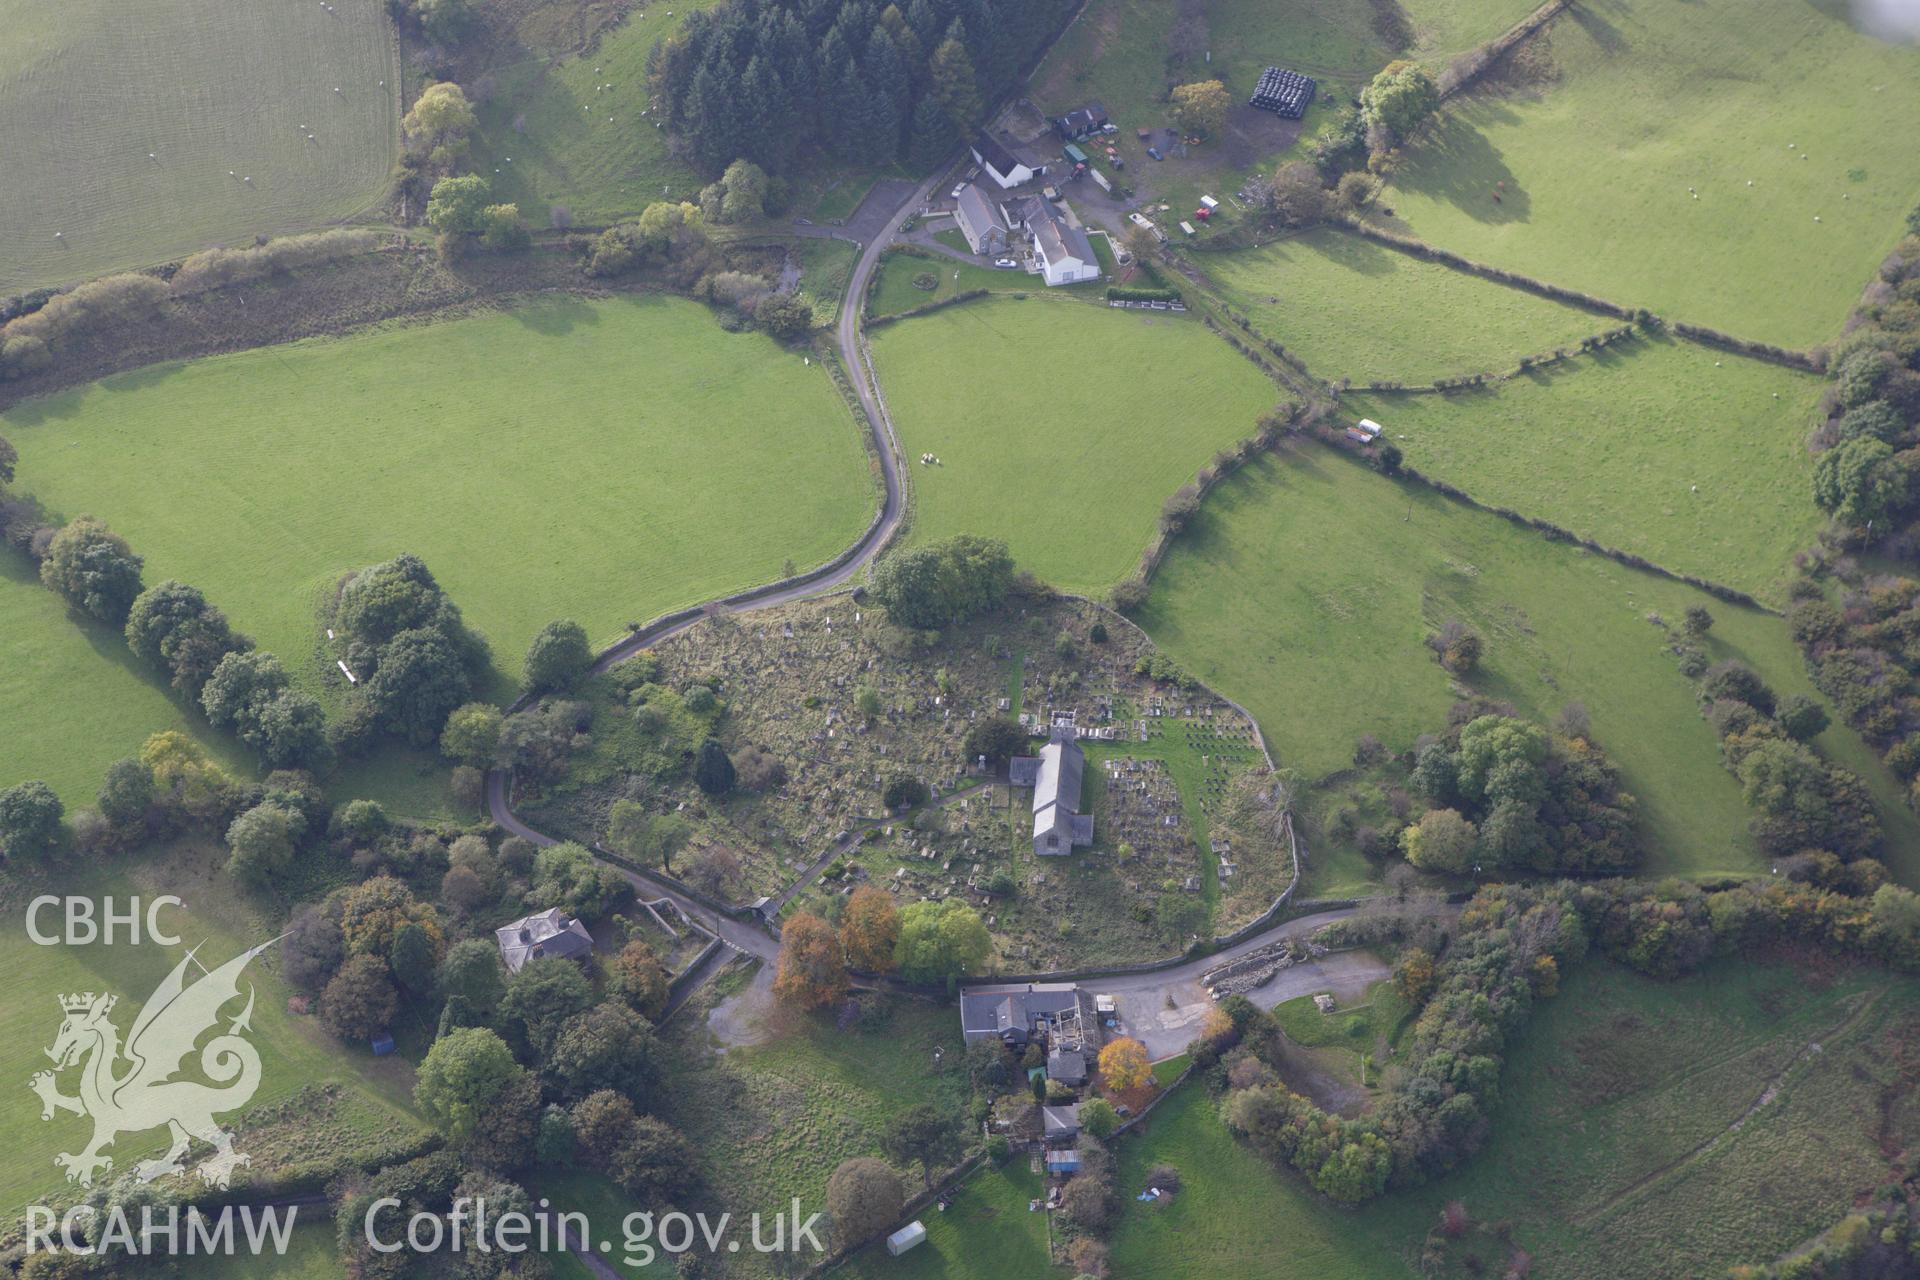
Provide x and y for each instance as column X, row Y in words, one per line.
column 82, row 1003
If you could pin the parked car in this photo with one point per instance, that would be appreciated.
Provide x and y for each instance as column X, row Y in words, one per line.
column 955, row 193
column 1155, row 153
column 1005, row 263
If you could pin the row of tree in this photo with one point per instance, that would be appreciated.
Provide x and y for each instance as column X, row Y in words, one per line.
column 1508, row 952
column 926, row 942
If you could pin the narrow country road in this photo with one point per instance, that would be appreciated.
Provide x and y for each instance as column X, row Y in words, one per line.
column 1163, row 1007
column 850, row 341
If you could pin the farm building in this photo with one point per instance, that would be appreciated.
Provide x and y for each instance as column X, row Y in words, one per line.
column 981, row 221
column 1066, row 256
column 1016, row 1014
column 1285, row 93
column 1083, row 123
column 999, row 163
column 549, row 933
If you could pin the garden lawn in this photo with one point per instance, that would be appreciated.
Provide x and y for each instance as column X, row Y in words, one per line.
column 371, row 1113
column 556, row 140
column 72, row 698
column 1307, row 586
column 91, row 89
column 1688, row 457
column 893, row 289
column 1077, row 424
column 1355, row 310
column 1646, row 102
column 601, row 460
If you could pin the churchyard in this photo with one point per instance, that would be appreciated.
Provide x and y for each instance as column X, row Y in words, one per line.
column 1187, row 832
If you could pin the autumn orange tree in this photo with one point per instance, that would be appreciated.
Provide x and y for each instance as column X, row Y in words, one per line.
column 811, row 973
column 1124, row 1065
column 870, row 929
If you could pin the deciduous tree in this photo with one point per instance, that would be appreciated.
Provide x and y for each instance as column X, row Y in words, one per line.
column 870, row 930
column 1124, row 1065
column 812, row 973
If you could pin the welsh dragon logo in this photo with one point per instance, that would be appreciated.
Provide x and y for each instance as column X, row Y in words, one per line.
column 145, row 1093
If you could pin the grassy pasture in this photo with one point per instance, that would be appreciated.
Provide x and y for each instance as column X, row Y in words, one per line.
column 547, row 132
column 604, row 460
column 1097, row 417
column 1614, row 1141
column 1642, row 101
column 1235, row 1214
column 1441, row 28
column 373, row 1106
column 1307, row 585
column 72, row 698
column 771, row 1121
column 1691, row 458
column 1617, row 1124
column 89, row 88
column 1352, row 309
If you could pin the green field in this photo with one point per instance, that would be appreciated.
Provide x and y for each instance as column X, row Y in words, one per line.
column 90, row 88
column 1617, row 1125
column 1235, row 1214
column 1614, row 1149
column 1097, row 416
column 1116, row 52
column 1693, row 459
column 1775, row 112
column 1308, row 584
column 604, row 460
column 72, row 698
column 1354, row 310
column 547, row 131
column 1445, row 27
column 373, row 1106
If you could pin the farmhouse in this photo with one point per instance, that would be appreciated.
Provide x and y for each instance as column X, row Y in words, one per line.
column 999, row 163
column 1084, row 123
column 549, row 933
column 1285, row 93
column 981, row 221
column 1017, row 1013
column 1065, row 254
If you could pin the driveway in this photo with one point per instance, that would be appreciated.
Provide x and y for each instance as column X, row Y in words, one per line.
column 1165, row 1015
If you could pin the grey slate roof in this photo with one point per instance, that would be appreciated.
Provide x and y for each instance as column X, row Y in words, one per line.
column 547, row 933
column 1022, row 771
column 1060, row 1122
column 1055, row 240
column 1062, row 762
column 1068, row 1066
column 991, row 1011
